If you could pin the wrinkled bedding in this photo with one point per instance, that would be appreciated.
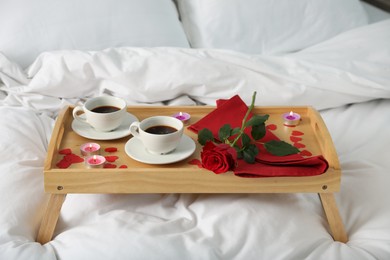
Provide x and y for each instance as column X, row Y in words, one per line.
column 347, row 78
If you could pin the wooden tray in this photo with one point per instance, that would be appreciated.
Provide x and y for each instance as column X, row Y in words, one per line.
column 181, row 177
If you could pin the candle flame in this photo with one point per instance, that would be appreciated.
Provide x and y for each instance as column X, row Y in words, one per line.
column 291, row 113
column 90, row 146
column 94, row 157
column 180, row 113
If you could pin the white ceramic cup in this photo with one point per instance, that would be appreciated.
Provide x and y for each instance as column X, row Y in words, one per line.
column 106, row 120
column 155, row 143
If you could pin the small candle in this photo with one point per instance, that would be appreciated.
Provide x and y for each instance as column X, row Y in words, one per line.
column 89, row 149
column 182, row 116
column 291, row 119
column 95, row 161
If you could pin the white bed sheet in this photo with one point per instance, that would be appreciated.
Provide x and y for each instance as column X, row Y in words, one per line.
column 265, row 226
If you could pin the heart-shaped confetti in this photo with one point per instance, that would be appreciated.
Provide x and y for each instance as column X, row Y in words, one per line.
column 111, row 158
column 111, row 149
column 109, row 165
column 65, row 151
column 299, row 145
column 63, row 164
column 295, row 139
column 73, row 158
column 296, row 133
column 271, row 127
column 68, row 159
column 305, row 153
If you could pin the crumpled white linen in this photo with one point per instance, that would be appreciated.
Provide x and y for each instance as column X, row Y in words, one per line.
column 23, row 146
column 352, row 67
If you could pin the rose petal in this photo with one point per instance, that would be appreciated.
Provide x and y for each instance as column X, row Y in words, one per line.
column 271, row 127
column 111, row 149
column 305, row 153
column 123, row 166
column 65, row 151
column 111, row 158
column 109, row 165
column 297, row 133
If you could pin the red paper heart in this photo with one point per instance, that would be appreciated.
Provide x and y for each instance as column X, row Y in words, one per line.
column 271, row 127
column 63, row 164
column 297, row 133
column 111, row 158
column 299, row 145
column 65, row 151
column 73, row 158
column 109, row 165
column 295, row 139
column 305, row 153
column 111, row 149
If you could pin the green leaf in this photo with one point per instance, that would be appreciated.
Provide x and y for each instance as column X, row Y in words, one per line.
column 245, row 140
column 250, row 153
column 258, row 131
column 256, row 120
column 235, row 131
column 205, row 135
column 280, row 148
column 253, row 148
column 239, row 152
column 224, row 132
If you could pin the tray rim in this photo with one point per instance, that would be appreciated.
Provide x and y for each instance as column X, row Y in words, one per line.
column 326, row 182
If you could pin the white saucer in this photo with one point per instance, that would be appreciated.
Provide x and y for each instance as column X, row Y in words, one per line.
column 136, row 150
column 85, row 130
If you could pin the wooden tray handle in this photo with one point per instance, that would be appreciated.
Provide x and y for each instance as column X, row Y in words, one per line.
column 324, row 139
column 55, row 143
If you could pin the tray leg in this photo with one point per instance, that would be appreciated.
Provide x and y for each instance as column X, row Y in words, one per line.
column 50, row 218
column 332, row 214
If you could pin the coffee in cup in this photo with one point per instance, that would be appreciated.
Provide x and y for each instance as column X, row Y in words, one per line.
column 104, row 113
column 159, row 134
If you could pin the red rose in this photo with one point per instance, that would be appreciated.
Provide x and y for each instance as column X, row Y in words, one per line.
column 218, row 158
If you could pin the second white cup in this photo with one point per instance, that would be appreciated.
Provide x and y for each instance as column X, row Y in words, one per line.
column 159, row 134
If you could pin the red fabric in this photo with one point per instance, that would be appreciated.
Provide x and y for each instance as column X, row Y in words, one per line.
column 232, row 112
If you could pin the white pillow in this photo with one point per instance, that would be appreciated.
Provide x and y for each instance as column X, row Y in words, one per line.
column 267, row 26
column 28, row 28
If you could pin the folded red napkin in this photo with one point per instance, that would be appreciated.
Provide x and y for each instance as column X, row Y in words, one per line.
column 232, row 112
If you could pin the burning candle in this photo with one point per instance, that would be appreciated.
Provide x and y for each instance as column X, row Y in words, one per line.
column 291, row 119
column 89, row 149
column 182, row 116
column 95, row 161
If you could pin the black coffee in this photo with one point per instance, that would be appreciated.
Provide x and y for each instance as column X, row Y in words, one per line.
column 160, row 130
column 105, row 109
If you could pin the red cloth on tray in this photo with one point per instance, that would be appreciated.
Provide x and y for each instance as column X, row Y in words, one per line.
column 232, row 112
